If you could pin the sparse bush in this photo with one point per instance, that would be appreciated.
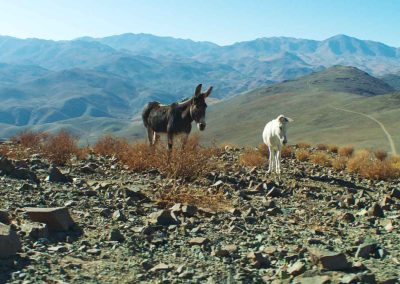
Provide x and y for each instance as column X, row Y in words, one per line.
column 333, row 148
column 303, row 145
column 30, row 139
column 60, row 147
column 339, row 163
column 287, row 151
column 346, row 151
column 253, row 158
column 379, row 170
column 380, row 154
column 109, row 145
column 302, row 155
column 320, row 158
column 4, row 150
column 215, row 200
column 322, row 147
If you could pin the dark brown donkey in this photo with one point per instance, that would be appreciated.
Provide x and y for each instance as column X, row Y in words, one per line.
column 176, row 118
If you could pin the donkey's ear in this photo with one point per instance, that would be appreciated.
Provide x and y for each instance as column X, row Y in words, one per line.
column 206, row 94
column 197, row 92
column 288, row 119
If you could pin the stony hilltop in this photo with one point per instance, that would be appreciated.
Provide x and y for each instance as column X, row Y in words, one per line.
column 234, row 224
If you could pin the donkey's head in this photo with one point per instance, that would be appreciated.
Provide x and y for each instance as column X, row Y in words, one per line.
column 282, row 124
column 198, row 107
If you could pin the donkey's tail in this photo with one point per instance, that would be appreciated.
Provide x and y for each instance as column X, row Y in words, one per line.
column 146, row 112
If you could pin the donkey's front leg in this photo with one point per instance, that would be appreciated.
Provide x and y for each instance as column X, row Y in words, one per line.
column 170, row 140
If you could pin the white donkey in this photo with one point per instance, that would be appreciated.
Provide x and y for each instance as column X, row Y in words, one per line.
column 274, row 136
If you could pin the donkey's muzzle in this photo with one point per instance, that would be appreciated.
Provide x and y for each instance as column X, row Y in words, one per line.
column 284, row 141
column 201, row 126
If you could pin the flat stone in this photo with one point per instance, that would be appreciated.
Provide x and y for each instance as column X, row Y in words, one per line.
column 118, row 215
column 35, row 230
column 57, row 218
column 348, row 217
column 9, row 241
column 327, row 259
column 160, row 267
column 6, row 166
column 198, row 241
column 136, row 194
column 116, row 236
column 319, row 279
column 395, row 193
column 189, row 210
column 274, row 192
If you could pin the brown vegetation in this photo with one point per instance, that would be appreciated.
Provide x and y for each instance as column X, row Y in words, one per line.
column 253, row 158
column 380, row 154
column 346, row 151
column 320, row 158
column 303, row 145
column 339, row 163
column 60, row 147
column 109, row 145
column 333, row 148
column 30, row 139
column 287, row 151
column 214, row 200
column 302, row 155
column 322, row 147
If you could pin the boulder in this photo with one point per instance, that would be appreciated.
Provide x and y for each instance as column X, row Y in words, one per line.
column 57, row 218
column 4, row 216
column 163, row 218
column 9, row 241
column 6, row 166
column 198, row 241
column 55, row 175
column 327, row 259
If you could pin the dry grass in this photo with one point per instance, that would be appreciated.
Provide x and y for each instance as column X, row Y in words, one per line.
column 346, row 151
column 109, row 146
column 303, row 145
column 359, row 159
column 339, row 163
column 214, row 200
column 60, row 147
column 380, row 154
column 333, row 148
column 30, row 139
column 253, row 158
column 320, row 158
column 4, row 150
column 322, row 147
column 302, row 155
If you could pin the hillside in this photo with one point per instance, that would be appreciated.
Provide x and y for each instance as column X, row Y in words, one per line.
column 393, row 80
column 309, row 100
column 86, row 83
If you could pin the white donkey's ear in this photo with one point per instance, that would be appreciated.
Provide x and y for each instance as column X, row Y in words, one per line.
column 288, row 119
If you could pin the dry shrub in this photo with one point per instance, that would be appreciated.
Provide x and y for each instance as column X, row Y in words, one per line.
column 395, row 160
column 380, row 154
column 339, row 163
column 252, row 158
column 346, row 151
column 215, row 200
column 322, row 147
column 109, row 145
column 302, row 155
column 30, row 139
column 303, row 145
column 359, row 159
column 138, row 156
column 4, row 151
column 333, row 148
column 379, row 170
column 59, row 148
column 287, row 151
column 320, row 158
column 187, row 162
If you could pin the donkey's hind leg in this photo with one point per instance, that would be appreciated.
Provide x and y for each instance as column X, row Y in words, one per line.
column 170, row 140
column 156, row 137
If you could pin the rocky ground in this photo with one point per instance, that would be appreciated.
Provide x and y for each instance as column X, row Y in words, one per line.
column 313, row 226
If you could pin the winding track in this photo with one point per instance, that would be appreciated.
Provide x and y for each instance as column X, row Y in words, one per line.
column 389, row 137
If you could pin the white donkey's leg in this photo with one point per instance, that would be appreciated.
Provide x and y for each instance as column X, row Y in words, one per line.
column 269, row 160
column 278, row 161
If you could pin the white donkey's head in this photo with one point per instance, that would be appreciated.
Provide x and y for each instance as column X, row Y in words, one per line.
column 282, row 124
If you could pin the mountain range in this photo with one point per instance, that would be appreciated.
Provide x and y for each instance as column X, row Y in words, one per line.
column 91, row 85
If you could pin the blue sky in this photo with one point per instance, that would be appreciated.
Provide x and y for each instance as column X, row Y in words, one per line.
column 222, row 22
